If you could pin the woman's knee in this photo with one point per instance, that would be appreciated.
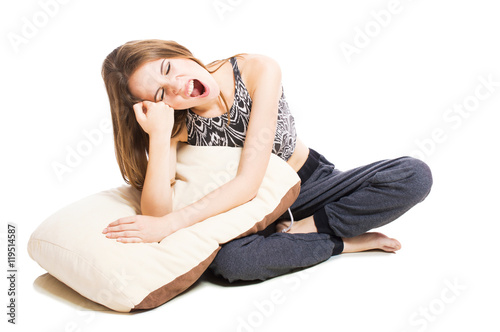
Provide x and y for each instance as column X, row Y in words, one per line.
column 225, row 265
column 421, row 178
column 232, row 263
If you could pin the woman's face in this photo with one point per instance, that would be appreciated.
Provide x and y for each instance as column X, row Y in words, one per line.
column 179, row 83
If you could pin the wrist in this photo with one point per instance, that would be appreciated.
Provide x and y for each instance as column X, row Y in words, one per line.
column 172, row 221
column 160, row 136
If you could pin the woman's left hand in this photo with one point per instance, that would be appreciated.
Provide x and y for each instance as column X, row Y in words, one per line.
column 139, row 229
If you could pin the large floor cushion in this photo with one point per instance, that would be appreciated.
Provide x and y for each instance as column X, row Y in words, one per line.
column 125, row 277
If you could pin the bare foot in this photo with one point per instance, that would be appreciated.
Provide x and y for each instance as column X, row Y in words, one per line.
column 369, row 241
column 363, row 242
column 305, row 225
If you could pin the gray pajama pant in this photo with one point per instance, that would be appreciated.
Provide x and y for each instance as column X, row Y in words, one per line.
column 344, row 204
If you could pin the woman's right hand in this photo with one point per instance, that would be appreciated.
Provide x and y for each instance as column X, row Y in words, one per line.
column 154, row 118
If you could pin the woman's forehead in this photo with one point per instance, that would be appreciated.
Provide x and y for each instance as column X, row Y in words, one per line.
column 145, row 80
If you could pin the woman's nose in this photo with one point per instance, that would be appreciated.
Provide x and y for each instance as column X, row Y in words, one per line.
column 174, row 86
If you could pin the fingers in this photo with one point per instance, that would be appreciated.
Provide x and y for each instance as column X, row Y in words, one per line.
column 169, row 108
column 137, row 229
column 138, row 106
column 123, row 235
column 124, row 230
column 116, row 234
column 145, row 105
column 141, row 109
column 140, row 112
column 129, row 240
column 122, row 221
column 121, row 230
column 121, row 225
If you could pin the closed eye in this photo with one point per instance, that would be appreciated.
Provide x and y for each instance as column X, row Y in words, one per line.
column 168, row 68
column 166, row 73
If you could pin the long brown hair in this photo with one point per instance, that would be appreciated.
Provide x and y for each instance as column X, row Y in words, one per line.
column 131, row 142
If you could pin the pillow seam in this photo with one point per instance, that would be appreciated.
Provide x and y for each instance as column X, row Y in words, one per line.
column 89, row 264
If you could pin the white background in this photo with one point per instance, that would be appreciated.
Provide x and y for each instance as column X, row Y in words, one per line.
column 388, row 99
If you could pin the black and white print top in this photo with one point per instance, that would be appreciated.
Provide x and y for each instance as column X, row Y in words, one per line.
column 216, row 131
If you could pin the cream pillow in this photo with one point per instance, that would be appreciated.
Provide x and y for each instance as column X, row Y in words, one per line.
column 124, row 277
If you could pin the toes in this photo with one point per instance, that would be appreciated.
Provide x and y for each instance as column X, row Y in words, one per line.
column 394, row 246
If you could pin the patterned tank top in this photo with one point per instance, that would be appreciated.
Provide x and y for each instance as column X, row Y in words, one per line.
column 217, row 132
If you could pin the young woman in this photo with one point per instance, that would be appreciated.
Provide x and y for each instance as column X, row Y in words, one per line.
column 161, row 95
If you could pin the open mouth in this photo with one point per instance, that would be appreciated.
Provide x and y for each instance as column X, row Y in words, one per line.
column 196, row 88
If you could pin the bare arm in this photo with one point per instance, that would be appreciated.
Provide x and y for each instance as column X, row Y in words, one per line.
column 264, row 85
column 157, row 121
column 156, row 198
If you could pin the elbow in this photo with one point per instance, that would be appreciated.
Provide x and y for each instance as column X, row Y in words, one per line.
column 247, row 186
column 251, row 195
column 251, row 190
column 154, row 211
column 148, row 212
column 155, row 205
column 254, row 191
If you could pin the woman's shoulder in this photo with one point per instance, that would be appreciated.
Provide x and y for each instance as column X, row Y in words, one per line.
column 246, row 60
column 250, row 62
column 255, row 68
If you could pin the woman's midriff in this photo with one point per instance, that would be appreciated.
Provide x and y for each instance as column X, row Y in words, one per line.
column 299, row 156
